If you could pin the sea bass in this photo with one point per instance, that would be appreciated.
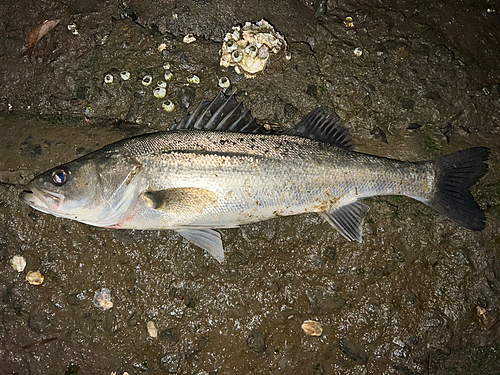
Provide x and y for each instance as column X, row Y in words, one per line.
column 218, row 169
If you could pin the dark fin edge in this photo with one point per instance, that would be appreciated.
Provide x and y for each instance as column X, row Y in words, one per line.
column 456, row 174
column 224, row 113
column 324, row 125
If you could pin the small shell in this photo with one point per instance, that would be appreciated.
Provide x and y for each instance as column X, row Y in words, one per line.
column 166, row 66
column 348, row 22
column 146, row 81
column 35, row 277
column 73, row 29
column 194, row 79
column 152, row 331
column 189, row 38
column 251, row 50
column 161, row 47
column 312, row 328
column 162, row 84
column 125, row 75
column 159, row 92
column 168, row 106
column 231, row 45
column 168, row 75
column 108, row 78
column 224, row 82
column 102, row 298
column 237, row 55
column 18, row 263
column 358, row 52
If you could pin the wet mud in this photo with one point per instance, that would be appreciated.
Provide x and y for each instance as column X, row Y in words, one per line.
column 412, row 80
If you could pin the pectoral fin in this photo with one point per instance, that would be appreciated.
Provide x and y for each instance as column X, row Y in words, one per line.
column 207, row 239
column 348, row 220
column 182, row 200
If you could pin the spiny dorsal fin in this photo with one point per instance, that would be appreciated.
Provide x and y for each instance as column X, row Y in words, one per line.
column 224, row 113
column 348, row 220
column 324, row 125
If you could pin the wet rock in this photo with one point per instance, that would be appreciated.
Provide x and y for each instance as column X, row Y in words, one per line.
column 413, row 126
column 434, row 95
column 290, row 111
column 39, row 323
column 378, row 133
column 317, row 370
column 257, row 342
column 170, row 335
column 353, row 350
column 312, row 90
column 408, row 104
column 324, row 302
column 330, row 253
column 169, row 362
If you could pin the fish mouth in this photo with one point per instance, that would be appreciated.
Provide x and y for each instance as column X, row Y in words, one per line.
column 42, row 200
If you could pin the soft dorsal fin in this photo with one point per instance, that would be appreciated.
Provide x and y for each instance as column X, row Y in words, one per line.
column 348, row 220
column 324, row 125
column 224, row 113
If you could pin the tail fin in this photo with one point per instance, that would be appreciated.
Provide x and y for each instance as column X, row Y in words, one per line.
column 456, row 174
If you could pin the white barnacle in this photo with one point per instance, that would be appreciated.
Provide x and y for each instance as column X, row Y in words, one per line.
column 108, row 78
column 159, row 92
column 231, row 45
column 166, row 66
column 251, row 50
column 189, row 38
column 224, row 82
column 146, row 80
column 358, row 52
column 125, row 75
column 237, row 55
column 348, row 22
column 161, row 47
column 168, row 75
column 263, row 52
column 168, row 106
column 73, row 29
column 288, row 56
column 194, row 79
column 162, row 84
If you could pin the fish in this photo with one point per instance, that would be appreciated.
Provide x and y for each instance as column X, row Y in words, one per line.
column 218, row 168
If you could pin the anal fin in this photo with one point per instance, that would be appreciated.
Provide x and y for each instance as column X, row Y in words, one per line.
column 348, row 220
column 207, row 239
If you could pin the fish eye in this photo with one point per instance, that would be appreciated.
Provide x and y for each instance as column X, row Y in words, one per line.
column 60, row 176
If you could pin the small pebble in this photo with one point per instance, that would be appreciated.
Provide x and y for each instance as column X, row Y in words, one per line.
column 312, row 328
column 18, row 263
column 161, row 47
column 189, row 38
column 35, row 278
column 152, row 331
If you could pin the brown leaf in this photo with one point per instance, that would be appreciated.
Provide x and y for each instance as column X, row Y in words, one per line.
column 38, row 33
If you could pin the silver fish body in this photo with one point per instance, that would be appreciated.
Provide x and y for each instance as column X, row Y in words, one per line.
column 209, row 173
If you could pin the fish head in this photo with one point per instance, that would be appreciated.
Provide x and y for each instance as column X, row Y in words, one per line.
column 97, row 189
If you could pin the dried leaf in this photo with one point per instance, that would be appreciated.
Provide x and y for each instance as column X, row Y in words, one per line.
column 38, row 33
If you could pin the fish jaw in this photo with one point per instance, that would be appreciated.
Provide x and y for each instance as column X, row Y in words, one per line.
column 44, row 201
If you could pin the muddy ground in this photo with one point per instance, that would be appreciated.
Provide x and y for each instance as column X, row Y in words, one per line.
column 420, row 295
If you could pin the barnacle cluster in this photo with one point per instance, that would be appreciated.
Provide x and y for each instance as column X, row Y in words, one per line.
column 248, row 48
